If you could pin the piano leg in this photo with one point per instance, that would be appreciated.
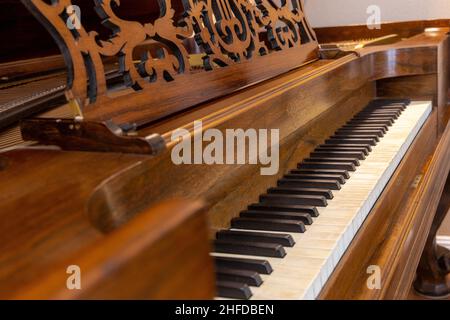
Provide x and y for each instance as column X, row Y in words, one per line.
column 434, row 265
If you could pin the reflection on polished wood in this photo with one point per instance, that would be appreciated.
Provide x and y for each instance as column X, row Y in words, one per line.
column 115, row 213
column 63, row 217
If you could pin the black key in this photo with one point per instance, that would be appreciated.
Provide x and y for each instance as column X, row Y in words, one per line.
column 365, row 147
column 337, row 177
column 233, row 290
column 317, row 201
column 380, row 103
column 369, row 142
column 360, row 125
column 396, row 106
column 344, row 160
column 392, row 107
column 268, row 224
column 341, row 155
column 343, row 173
column 373, row 117
column 302, row 191
column 312, row 211
column 304, row 183
column 325, row 148
column 304, row 217
column 400, row 107
column 378, row 114
column 389, row 102
column 374, row 122
column 260, row 266
column 250, row 248
column 388, row 110
column 327, row 165
column 285, row 240
column 381, row 111
column 384, row 129
column 250, row 278
column 355, row 136
column 378, row 133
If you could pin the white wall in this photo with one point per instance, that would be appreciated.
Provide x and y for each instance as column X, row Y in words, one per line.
column 324, row 13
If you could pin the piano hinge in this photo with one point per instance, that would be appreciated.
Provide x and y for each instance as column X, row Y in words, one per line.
column 79, row 135
column 416, row 181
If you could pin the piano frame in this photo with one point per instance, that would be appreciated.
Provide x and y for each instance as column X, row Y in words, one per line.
column 396, row 231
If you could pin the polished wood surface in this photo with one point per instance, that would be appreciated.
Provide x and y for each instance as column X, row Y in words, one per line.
column 434, row 264
column 123, row 264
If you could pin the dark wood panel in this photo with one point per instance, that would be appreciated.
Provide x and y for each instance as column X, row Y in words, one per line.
column 161, row 254
column 423, row 86
column 386, row 230
column 49, row 223
column 106, row 191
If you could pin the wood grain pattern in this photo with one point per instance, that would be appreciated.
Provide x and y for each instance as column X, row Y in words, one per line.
column 229, row 32
column 434, row 264
column 50, row 226
column 379, row 239
column 307, row 95
column 405, row 29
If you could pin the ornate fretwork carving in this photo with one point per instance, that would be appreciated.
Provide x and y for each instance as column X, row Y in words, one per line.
column 228, row 33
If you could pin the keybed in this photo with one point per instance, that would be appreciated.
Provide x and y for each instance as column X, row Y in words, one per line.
column 287, row 245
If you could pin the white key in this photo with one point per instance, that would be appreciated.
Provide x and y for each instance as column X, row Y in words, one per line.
column 303, row 272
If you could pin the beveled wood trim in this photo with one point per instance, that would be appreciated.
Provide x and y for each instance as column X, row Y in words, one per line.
column 373, row 64
column 413, row 57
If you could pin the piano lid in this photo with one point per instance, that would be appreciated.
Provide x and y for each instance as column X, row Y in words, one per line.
column 194, row 51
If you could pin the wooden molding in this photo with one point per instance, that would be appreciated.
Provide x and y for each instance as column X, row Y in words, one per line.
column 405, row 29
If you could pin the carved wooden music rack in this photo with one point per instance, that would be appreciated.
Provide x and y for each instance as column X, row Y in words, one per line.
column 241, row 42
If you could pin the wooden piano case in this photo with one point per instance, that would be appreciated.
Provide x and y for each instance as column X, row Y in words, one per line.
column 277, row 82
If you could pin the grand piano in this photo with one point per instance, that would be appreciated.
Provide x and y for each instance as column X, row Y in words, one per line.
column 88, row 109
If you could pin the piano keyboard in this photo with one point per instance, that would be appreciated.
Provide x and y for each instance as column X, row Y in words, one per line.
column 287, row 245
